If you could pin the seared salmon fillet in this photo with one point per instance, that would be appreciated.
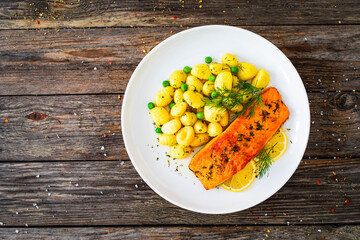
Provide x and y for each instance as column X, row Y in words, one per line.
column 228, row 153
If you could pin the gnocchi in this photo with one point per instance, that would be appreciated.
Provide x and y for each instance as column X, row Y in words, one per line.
column 246, row 71
column 188, row 118
column 171, row 127
column 229, row 60
column 178, row 109
column 214, row 129
column 164, row 96
column 159, row 115
column 200, row 139
column 185, row 136
column 167, row 139
column 200, row 127
column 193, row 106
column 194, row 99
column 261, row 80
column 224, row 81
column 194, row 84
column 201, row 71
column 180, row 151
column 177, row 78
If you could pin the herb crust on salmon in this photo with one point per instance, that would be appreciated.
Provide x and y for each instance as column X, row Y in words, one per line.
column 230, row 151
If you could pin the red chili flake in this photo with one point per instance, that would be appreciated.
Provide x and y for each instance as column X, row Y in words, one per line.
column 273, row 216
column 110, row 63
column 59, row 121
column 318, row 182
column 347, row 201
column 38, row 22
column 324, row 104
column 302, row 2
column 122, row 97
column 333, row 210
column 251, row 212
column 269, row 208
column 323, row 237
column 6, row 120
column 174, row 17
column 138, row 10
column 90, row 15
column 104, row 135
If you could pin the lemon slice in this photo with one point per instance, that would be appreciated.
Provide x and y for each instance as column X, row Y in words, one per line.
column 241, row 180
column 280, row 139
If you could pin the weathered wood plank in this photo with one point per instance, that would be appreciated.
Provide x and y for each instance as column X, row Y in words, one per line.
column 106, row 13
column 230, row 232
column 334, row 132
column 326, row 57
column 112, row 193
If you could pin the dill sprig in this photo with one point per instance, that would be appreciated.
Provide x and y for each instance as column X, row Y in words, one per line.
column 231, row 99
column 264, row 161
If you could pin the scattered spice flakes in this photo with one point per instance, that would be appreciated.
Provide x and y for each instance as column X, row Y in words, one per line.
column 59, row 121
column 6, row 120
column 90, row 15
column 323, row 237
column 251, row 212
column 347, row 201
column 175, row 17
column 333, row 210
column 273, row 216
column 38, row 22
column 104, row 135
column 111, row 63
column 318, row 182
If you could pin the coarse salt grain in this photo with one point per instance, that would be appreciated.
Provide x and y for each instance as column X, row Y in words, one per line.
column 1, row 223
column 76, row 185
column 16, row 213
column 136, row 186
column 37, row 176
column 49, row 194
column 288, row 223
column 95, row 68
column 339, row 139
column 319, row 230
column 122, row 163
column 102, row 148
column 26, row 225
column 75, row 114
column 16, row 231
column 105, row 154
column 101, row 193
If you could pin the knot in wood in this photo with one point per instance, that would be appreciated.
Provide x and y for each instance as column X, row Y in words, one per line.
column 36, row 116
column 346, row 100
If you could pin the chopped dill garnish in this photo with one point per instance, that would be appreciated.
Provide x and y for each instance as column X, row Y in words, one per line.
column 264, row 161
column 230, row 99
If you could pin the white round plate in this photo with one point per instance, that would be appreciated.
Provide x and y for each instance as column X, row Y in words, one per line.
column 172, row 179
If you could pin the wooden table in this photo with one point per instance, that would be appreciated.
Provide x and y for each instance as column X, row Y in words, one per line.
column 64, row 69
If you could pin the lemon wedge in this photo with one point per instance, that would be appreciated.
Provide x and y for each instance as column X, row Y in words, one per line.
column 241, row 180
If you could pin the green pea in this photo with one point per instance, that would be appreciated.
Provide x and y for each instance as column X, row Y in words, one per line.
column 200, row 115
column 208, row 59
column 234, row 69
column 171, row 105
column 214, row 94
column 166, row 83
column 151, row 105
column 184, row 87
column 187, row 69
column 158, row 130
column 211, row 78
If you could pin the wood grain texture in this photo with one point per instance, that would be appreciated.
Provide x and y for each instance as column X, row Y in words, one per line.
column 334, row 130
column 112, row 193
column 231, row 232
column 108, row 13
column 49, row 62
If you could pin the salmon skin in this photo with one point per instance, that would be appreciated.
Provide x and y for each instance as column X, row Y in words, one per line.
column 228, row 153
